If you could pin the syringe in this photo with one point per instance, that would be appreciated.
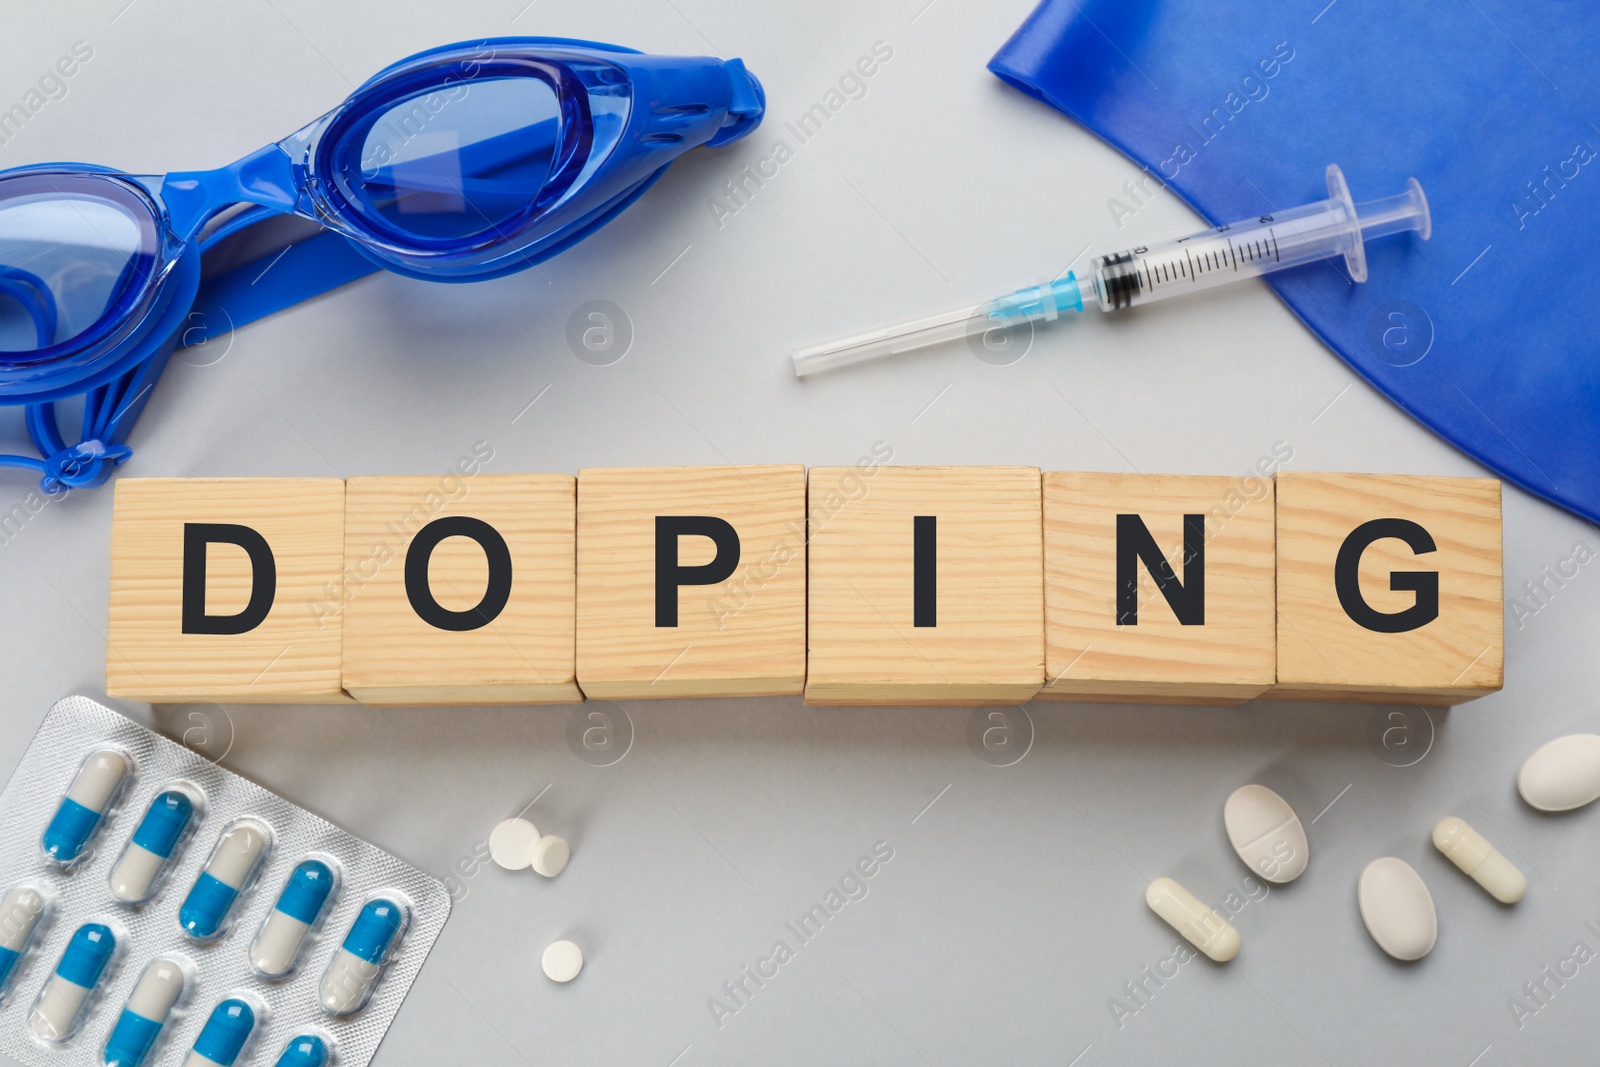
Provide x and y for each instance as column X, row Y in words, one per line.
column 1333, row 227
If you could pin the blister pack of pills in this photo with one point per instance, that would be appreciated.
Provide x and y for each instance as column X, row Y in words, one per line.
column 157, row 908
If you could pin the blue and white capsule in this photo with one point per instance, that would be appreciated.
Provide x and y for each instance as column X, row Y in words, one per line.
column 283, row 934
column 226, row 1033
column 146, row 1013
column 307, row 1050
column 137, row 875
column 353, row 972
column 233, row 865
column 59, row 1010
column 20, row 913
column 92, row 793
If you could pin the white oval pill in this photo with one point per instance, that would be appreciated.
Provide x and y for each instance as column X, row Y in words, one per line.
column 511, row 844
column 562, row 961
column 550, row 855
column 1562, row 774
column 1202, row 925
column 1482, row 862
column 1266, row 833
column 1397, row 908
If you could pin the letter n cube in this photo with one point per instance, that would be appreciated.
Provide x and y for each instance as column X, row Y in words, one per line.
column 1158, row 588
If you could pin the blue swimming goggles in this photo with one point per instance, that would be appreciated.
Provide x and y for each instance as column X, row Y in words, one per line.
column 459, row 164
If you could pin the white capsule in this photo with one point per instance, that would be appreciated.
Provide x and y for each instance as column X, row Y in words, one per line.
column 1266, row 833
column 278, row 944
column 158, row 990
column 1481, row 861
column 562, row 961
column 56, row 1012
column 77, row 818
column 165, row 821
column 1200, row 924
column 550, row 855
column 353, row 972
column 1562, row 774
column 1397, row 908
column 346, row 982
column 144, row 1016
column 237, row 855
column 232, row 866
column 511, row 843
column 102, row 773
column 19, row 915
column 135, row 873
column 300, row 904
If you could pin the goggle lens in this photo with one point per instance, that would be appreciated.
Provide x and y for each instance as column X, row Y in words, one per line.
column 69, row 258
column 453, row 164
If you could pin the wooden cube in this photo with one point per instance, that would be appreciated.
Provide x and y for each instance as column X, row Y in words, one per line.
column 1158, row 588
column 926, row 585
column 1389, row 588
column 225, row 589
column 462, row 589
column 691, row 582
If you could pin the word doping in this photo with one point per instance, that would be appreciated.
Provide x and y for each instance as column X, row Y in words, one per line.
column 868, row 584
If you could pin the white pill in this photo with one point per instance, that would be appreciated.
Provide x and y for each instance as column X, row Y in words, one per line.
column 511, row 844
column 1562, row 774
column 1266, row 833
column 1397, row 908
column 1200, row 924
column 550, row 855
column 562, row 961
column 1483, row 863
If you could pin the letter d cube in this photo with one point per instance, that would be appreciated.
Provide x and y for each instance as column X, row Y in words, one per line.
column 1389, row 588
column 226, row 589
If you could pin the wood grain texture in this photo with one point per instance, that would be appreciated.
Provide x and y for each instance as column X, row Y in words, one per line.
column 988, row 644
column 742, row 637
column 1324, row 655
column 524, row 655
column 1089, row 656
column 292, row 657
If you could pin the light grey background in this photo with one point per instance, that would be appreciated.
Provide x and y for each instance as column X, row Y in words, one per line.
column 1012, row 910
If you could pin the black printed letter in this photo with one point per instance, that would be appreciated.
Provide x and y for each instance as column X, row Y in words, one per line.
column 669, row 575
column 263, row 578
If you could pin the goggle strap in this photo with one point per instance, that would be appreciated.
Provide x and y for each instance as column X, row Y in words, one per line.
column 272, row 283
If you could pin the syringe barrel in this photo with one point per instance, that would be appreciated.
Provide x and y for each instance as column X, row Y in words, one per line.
column 1324, row 230
column 1327, row 230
